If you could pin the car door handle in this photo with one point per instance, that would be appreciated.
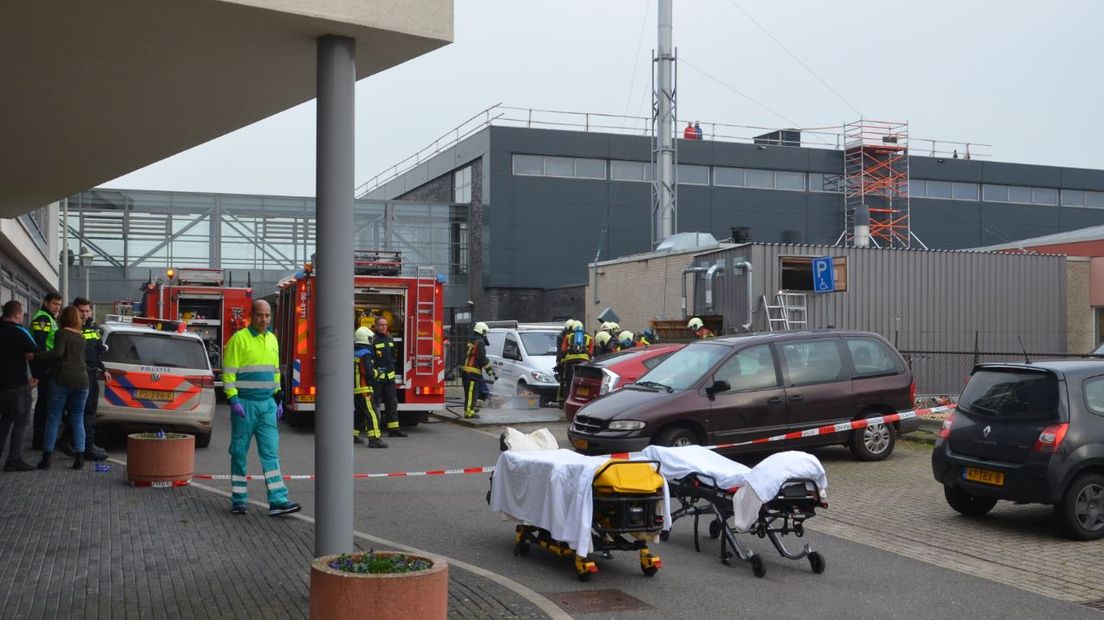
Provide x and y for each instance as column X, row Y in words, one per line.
column 774, row 400
column 795, row 397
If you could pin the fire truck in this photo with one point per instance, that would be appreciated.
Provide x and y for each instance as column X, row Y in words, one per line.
column 205, row 302
column 414, row 309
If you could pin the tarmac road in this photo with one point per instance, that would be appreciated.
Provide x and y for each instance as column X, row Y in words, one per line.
column 449, row 515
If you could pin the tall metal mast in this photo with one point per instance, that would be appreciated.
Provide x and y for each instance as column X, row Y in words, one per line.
column 664, row 142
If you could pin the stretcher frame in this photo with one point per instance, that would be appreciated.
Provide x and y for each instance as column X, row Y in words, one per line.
column 796, row 501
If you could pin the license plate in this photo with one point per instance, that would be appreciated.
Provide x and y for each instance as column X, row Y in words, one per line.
column 984, row 476
column 155, row 395
column 579, row 443
column 305, row 398
column 582, row 391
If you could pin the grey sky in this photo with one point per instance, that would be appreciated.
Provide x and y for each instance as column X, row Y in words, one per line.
column 1022, row 76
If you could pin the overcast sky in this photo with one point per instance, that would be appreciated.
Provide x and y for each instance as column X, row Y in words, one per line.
column 1021, row 76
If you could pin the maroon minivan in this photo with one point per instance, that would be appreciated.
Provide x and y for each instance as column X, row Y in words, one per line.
column 739, row 388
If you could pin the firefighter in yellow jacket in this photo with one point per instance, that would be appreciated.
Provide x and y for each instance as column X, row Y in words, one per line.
column 475, row 364
column 251, row 380
column 365, row 419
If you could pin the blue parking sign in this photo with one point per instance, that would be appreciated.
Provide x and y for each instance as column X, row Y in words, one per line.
column 824, row 276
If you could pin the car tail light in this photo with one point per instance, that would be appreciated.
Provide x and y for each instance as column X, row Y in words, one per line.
column 610, row 381
column 948, row 422
column 203, row 382
column 912, row 391
column 1050, row 438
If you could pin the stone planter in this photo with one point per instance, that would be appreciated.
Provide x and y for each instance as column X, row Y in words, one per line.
column 339, row 595
column 158, row 461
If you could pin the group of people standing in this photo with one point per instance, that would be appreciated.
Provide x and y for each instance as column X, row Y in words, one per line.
column 576, row 347
column 376, row 367
column 62, row 355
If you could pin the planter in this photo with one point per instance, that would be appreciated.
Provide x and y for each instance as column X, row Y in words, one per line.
column 160, row 460
column 338, row 594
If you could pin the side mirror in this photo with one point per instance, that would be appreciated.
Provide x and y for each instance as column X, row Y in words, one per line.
column 719, row 385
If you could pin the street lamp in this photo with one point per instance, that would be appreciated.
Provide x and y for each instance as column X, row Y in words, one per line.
column 86, row 261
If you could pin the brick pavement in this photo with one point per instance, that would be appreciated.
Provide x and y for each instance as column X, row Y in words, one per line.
column 87, row 545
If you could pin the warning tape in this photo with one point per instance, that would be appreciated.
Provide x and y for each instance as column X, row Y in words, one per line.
column 810, row 432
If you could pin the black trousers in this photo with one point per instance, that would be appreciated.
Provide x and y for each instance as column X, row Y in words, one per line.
column 472, row 384
column 38, row 427
column 387, row 398
column 15, row 414
column 365, row 419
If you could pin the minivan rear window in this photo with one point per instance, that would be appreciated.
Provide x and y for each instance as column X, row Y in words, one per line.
column 156, row 350
column 999, row 393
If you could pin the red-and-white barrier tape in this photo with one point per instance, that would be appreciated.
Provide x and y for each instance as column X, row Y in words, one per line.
column 828, row 429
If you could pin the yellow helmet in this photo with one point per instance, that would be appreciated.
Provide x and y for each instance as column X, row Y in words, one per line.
column 480, row 328
column 625, row 337
column 607, row 326
column 363, row 335
column 576, row 325
column 569, row 324
column 695, row 324
column 602, row 338
column 614, row 327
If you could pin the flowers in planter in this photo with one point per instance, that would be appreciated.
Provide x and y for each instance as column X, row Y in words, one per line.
column 370, row 563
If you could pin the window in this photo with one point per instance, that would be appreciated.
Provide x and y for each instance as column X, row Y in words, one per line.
column 496, row 339
column 1011, row 394
column 797, row 273
column 1019, row 194
column 760, row 178
column 590, row 168
column 964, row 191
column 529, row 165
column 539, row 343
column 559, row 167
column 750, row 369
column 872, row 358
column 686, row 366
column 728, row 177
column 693, row 175
column 812, row 361
column 918, row 188
column 1073, row 198
column 630, row 170
column 461, row 185
column 938, row 189
column 1044, row 196
column 822, row 182
column 1094, row 199
column 789, row 180
column 994, row 193
column 1094, row 395
column 652, row 362
column 156, row 350
column 510, row 348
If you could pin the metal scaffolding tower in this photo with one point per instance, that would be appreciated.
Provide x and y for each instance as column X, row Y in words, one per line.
column 664, row 131
column 875, row 185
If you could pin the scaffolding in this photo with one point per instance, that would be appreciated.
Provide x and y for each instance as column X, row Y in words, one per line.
column 875, row 182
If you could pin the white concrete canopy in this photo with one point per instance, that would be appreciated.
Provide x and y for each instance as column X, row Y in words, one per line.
column 90, row 91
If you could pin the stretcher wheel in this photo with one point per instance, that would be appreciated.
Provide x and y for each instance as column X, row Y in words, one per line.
column 649, row 571
column 584, row 576
column 521, row 548
column 715, row 528
column 757, row 567
column 816, row 562
column 665, row 535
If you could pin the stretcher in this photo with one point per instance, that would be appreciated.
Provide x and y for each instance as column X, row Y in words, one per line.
column 771, row 500
column 581, row 506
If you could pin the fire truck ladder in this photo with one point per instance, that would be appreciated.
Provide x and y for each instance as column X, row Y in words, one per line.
column 425, row 303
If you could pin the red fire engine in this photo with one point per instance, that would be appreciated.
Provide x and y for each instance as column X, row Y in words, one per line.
column 199, row 298
column 413, row 307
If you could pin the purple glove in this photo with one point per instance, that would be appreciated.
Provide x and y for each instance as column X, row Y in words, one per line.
column 236, row 408
column 279, row 410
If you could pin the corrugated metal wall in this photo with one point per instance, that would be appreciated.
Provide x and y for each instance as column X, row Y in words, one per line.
column 922, row 300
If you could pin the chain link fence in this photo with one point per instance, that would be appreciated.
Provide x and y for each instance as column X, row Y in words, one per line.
column 944, row 373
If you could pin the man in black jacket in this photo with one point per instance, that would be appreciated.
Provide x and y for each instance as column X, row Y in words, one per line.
column 15, row 389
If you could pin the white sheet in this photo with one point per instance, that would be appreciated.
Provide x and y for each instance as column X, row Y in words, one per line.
column 552, row 490
column 540, row 439
column 677, row 463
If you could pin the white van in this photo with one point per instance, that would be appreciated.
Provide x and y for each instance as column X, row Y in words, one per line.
column 523, row 356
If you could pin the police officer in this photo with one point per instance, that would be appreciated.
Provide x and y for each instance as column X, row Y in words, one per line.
column 93, row 359
column 387, row 369
column 577, row 348
column 43, row 328
column 365, row 418
column 475, row 364
column 699, row 329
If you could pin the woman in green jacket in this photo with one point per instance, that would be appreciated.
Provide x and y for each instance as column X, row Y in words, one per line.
column 69, row 390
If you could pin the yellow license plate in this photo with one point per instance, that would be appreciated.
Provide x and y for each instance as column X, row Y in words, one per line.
column 582, row 391
column 579, row 443
column 155, row 395
column 984, row 476
column 305, row 398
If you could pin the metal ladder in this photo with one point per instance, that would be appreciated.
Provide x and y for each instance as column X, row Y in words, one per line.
column 791, row 311
column 425, row 302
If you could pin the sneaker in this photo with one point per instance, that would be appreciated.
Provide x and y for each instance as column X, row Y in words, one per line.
column 396, row 433
column 276, row 510
column 239, row 509
column 18, row 466
column 375, row 442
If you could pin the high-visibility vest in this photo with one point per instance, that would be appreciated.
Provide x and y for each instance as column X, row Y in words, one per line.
column 48, row 328
column 251, row 366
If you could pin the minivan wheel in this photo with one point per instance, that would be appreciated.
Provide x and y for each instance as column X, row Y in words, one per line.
column 967, row 504
column 1082, row 509
column 676, row 437
column 873, row 443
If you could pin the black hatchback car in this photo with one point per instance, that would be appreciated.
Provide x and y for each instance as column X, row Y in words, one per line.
column 1028, row 433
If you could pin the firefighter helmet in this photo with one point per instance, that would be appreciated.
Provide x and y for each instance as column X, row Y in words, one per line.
column 480, row 328
column 625, row 338
column 602, row 338
column 695, row 324
column 363, row 335
column 614, row 327
column 569, row 324
column 607, row 326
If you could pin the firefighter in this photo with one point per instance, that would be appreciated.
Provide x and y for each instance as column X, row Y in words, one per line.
column 557, row 370
column 699, row 329
column 648, row 337
column 364, row 375
column 387, row 369
column 603, row 344
column 43, row 327
column 475, row 364
column 251, row 380
column 626, row 340
column 577, row 348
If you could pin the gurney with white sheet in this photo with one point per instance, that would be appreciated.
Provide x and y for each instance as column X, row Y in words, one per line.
column 581, row 506
column 771, row 500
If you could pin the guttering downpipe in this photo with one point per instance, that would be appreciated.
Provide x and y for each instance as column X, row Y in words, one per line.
column 709, row 275
column 750, row 306
column 684, row 272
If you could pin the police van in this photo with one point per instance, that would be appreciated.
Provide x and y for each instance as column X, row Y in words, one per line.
column 523, row 356
column 158, row 377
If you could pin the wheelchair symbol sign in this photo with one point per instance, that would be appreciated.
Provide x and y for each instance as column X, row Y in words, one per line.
column 824, row 276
